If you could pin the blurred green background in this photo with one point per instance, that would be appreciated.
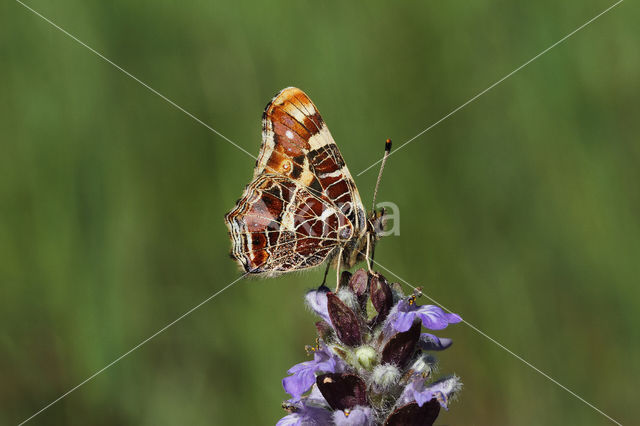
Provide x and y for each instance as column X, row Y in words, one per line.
column 520, row 212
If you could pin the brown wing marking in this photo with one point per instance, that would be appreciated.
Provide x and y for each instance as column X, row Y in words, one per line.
column 297, row 143
column 279, row 226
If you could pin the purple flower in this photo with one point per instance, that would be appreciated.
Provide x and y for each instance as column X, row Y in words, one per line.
column 303, row 375
column 372, row 363
column 312, row 410
column 317, row 301
column 444, row 389
column 357, row 416
column 415, row 391
column 419, row 392
column 432, row 316
column 306, row 416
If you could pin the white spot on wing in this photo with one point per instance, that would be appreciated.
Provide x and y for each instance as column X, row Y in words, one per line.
column 289, row 134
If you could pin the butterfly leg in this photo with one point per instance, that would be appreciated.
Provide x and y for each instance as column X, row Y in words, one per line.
column 338, row 270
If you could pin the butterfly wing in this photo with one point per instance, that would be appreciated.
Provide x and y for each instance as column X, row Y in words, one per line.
column 300, row 181
column 297, row 143
column 280, row 226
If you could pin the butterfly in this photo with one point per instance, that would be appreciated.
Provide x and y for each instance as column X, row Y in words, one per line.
column 302, row 207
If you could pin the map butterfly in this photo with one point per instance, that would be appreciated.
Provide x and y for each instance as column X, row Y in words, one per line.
column 302, row 207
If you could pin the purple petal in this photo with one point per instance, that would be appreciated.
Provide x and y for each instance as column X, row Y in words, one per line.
column 306, row 416
column 435, row 318
column 422, row 397
column 444, row 389
column 415, row 391
column 299, row 382
column 429, row 342
column 317, row 301
column 325, row 361
column 300, row 367
column 303, row 375
column 315, row 399
column 453, row 318
column 358, row 416
column 402, row 321
column 404, row 306
column 290, row 420
column 407, row 393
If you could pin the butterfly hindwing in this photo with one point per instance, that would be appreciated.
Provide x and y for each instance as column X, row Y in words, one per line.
column 279, row 226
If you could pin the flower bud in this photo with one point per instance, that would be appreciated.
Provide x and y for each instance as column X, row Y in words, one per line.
column 381, row 297
column 385, row 377
column 359, row 282
column 366, row 356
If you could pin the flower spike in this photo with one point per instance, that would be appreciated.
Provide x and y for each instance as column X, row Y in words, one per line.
column 372, row 363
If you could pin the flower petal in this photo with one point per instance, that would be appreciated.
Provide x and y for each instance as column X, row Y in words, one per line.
column 422, row 397
column 306, row 416
column 317, row 301
column 415, row 391
column 299, row 383
column 303, row 375
column 290, row 420
column 429, row 342
column 444, row 389
column 358, row 416
column 402, row 321
column 434, row 318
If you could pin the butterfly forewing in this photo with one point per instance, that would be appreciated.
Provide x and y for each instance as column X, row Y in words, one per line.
column 302, row 204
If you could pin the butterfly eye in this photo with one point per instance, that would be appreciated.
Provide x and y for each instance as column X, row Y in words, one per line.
column 286, row 166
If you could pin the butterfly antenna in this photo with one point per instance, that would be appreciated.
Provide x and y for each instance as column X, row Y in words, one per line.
column 387, row 151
